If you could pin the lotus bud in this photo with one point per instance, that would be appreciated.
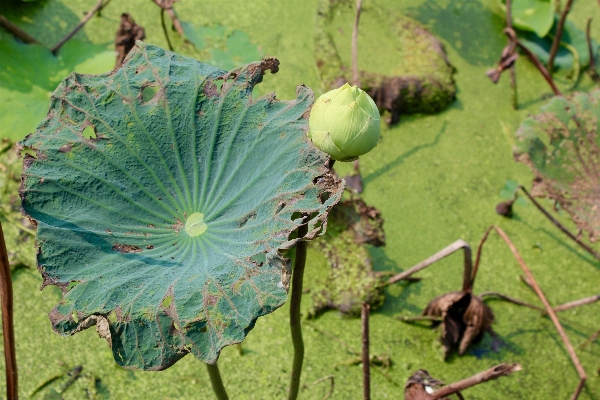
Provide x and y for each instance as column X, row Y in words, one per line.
column 344, row 123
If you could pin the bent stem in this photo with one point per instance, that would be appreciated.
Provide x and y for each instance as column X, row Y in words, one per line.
column 468, row 264
column 6, row 295
column 295, row 323
column 216, row 381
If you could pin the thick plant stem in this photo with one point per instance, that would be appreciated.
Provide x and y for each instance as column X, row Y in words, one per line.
column 8, row 332
column 558, row 35
column 355, row 81
column 216, row 381
column 365, row 351
column 295, row 323
column 164, row 26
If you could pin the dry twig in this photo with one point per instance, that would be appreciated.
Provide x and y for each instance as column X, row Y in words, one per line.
column 550, row 311
column 558, row 35
column 80, row 25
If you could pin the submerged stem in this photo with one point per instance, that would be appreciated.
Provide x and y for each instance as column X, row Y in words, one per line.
column 216, row 381
column 365, row 352
column 295, row 323
column 6, row 295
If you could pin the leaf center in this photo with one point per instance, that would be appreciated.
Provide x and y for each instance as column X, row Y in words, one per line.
column 195, row 225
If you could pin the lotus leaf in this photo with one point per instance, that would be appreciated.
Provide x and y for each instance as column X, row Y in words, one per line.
column 164, row 225
column 30, row 72
column 533, row 15
column 572, row 53
column 562, row 147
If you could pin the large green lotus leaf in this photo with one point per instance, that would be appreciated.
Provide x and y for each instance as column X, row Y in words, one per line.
column 163, row 193
column 562, row 147
column 575, row 42
column 30, row 72
column 533, row 15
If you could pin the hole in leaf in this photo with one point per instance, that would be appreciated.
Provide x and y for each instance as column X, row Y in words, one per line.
column 72, row 285
column 259, row 258
column 246, row 218
column 28, row 152
column 112, row 317
column 75, row 316
column 279, row 208
column 149, row 92
column 204, row 329
column 88, row 132
column 167, row 301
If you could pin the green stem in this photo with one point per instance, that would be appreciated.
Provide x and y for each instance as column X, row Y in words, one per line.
column 295, row 323
column 216, row 381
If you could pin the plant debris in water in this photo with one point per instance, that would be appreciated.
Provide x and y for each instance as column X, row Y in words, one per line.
column 351, row 281
column 422, row 80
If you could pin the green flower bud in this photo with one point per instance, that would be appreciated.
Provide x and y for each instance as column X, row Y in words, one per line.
column 344, row 123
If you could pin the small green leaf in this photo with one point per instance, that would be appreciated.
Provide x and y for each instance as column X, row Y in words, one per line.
column 533, row 15
column 160, row 217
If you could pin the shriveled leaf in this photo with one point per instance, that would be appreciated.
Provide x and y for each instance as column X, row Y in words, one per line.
column 465, row 317
column 573, row 52
column 220, row 46
column 152, row 226
column 562, row 147
column 533, row 15
column 29, row 73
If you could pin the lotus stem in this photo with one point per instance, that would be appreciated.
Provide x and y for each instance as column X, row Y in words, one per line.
column 216, row 381
column 6, row 295
column 164, row 26
column 295, row 302
column 355, row 81
column 540, row 67
column 16, row 31
column 557, row 37
column 365, row 351
column 80, row 25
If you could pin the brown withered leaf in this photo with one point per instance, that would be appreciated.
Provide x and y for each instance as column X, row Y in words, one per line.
column 465, row 318
column 562, row 147
column 127, row 34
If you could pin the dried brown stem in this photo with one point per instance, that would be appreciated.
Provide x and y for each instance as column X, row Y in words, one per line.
column 80, row 25
column 592, row 66
column 590, row 339
column 540, row 67
column 558, row 35
column 577, row 303
column 366, row 362
column 355, row 81
column 559, row 225
column 550, row 311
column 412, row 318
column 492, row 373
column 8, row 332
column 512, row 300
column 164, row 27
column 331, row 388
column 513, row 69
column 16, row 31
column 478, row 256
column 459, row 244
column 176, row 22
